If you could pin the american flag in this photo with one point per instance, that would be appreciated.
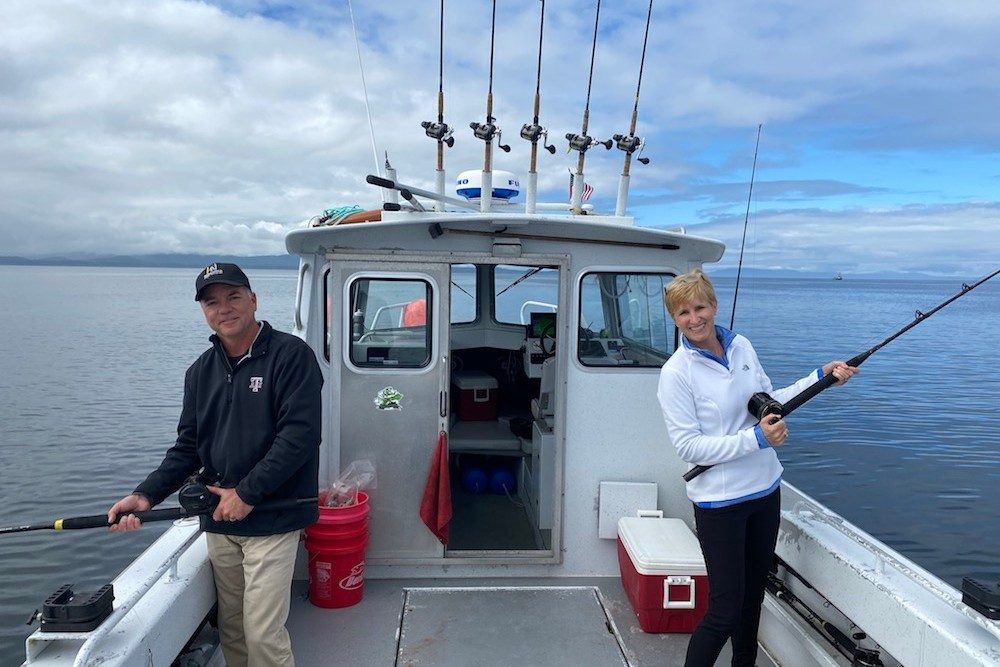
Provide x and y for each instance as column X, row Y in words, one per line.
column 588, row 189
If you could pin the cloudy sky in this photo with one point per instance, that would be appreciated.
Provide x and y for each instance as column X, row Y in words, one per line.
column 142, row 126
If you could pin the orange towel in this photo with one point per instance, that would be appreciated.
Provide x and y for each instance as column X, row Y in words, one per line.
column 435, row 507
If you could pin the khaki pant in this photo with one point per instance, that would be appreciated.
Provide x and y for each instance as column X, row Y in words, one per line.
column 253, row 578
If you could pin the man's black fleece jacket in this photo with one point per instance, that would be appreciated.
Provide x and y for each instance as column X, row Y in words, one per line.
column 256, row 423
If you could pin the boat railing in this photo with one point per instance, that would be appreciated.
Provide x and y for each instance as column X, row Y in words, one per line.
column 168, row 566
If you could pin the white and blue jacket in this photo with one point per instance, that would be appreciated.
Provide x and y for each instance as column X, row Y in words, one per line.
column 704, row 401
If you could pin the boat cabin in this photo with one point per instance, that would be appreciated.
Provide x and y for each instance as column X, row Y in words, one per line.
column 508, row 337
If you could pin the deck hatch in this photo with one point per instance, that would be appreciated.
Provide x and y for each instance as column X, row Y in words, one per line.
column 565, row 625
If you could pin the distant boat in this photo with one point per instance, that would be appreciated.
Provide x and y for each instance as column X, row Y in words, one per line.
column 838, row 276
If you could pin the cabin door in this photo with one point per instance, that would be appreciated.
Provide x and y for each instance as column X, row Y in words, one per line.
column 392, row 403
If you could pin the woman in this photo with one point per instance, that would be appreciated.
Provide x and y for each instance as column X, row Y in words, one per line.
column 704, row 388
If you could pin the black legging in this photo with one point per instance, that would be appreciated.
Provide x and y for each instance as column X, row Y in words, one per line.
column 738, row 544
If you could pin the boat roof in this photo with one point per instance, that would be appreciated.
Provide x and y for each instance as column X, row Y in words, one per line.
column 410, row 230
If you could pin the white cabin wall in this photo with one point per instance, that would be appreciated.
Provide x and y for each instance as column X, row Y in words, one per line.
column 616, row 433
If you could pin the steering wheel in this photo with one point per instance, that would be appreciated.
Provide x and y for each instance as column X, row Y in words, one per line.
column 547, row 340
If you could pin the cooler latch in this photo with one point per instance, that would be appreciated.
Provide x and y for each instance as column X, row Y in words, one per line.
column 677, row 580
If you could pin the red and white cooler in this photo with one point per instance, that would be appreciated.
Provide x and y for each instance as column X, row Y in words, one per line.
column 477, row 395
column 663, row 573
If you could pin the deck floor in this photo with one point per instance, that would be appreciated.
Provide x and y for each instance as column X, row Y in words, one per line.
column 499, row 622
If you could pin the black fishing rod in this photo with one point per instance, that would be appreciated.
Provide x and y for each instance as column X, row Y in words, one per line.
column 440, row 131
column 746, row 221
column 581, row 142
column 859, row 657
column 486, row 131
column 534, row 132
column 761, row 404
column 629, row 142
column 195, row 500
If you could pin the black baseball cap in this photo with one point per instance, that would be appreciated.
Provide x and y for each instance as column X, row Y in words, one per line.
column 219, row 272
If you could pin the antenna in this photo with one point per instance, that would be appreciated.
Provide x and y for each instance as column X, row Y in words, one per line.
column 630, row 143
column 746, row 219
column 364, row 87
column 486, row 131
column 581, row 142
column 440, row 131
column 534, row 132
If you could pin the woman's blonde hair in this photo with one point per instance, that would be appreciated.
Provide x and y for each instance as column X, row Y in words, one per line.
column 687, row 288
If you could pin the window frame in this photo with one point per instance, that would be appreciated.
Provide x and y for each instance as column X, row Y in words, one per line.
column 618, row 271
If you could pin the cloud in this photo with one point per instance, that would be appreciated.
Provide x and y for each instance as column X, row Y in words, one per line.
column 958, row 241
column 157, row 125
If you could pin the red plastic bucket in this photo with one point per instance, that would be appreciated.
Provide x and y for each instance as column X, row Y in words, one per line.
column 336, row 547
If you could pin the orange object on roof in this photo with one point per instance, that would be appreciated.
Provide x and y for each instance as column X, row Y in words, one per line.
column 415, row 313
column 362, row 216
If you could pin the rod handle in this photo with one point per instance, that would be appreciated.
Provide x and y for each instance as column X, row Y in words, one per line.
column 101, row 520
column 824, row 383
column 379, row 181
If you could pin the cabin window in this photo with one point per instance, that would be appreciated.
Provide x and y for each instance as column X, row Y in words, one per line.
column 464, row 293
column 623, row 321
column 522, row 290
column 390, row 322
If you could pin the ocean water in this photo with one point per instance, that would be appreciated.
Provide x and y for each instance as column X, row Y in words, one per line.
column 92, row 363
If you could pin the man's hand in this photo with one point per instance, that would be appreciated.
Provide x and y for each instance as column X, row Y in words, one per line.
column 126, row 506
column 231, row 507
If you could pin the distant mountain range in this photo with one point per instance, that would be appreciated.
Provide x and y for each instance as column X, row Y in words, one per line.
column 195, row 261
column 181, row 261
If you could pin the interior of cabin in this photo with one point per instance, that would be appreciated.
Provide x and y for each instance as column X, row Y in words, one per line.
column 503, row 398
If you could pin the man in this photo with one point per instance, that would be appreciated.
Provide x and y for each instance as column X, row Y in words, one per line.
column 252, row 417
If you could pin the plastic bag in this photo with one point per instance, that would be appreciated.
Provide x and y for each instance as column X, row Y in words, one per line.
column 357, row 476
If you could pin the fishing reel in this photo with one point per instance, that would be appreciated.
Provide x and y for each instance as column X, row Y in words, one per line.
column 486, row 131
column 534, row 132
column 630, row 144
column 760, row 405
column 439, row 132
column 194, row 495
column 583, row 143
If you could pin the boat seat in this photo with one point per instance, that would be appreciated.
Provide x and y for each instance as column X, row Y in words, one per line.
column 486, row 437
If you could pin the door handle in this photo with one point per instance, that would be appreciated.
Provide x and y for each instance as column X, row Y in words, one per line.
column 443, row 404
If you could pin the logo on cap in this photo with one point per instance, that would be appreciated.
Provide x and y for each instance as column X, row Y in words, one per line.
column 211, row 270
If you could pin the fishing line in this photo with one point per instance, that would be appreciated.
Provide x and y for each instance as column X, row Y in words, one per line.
column 761, row 404
column 746, row 221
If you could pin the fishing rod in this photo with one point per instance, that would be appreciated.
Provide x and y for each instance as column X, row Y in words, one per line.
column 486, row 131
column 581, row 142
column 195, row 500
column 746, row 220
column 629, row 142
column 534, row 132
column 761, row 404
column 440, row 131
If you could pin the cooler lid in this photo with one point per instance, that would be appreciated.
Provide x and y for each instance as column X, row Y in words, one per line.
column 661, row 546
column 473, row 380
